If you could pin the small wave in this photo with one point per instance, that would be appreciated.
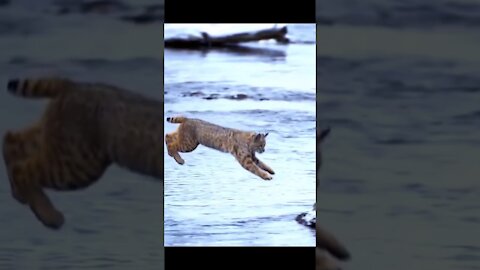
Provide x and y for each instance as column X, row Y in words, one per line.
column 216, row 91
column 150, row 14
column 449, row 194
column 465, row 258
column 471, row 219
column 398, row 14
column 87, row 7
column 397, row 141
column 128, row 12
column 397, row 211
column 464, row 247
column 133, row 63
column 240, row 50
column 84, row 231
column 399, row 79
column 25, row 25
column 344, row 186
column 475, row 115
column 123, row 194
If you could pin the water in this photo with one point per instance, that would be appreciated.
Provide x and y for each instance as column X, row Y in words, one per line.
column 399, row 85
column 116, row 223
column 212, row 200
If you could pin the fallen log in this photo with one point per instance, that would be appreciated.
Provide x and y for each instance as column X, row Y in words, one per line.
column 207, row 41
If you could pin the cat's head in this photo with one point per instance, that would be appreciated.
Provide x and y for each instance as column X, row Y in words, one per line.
column 258, row 142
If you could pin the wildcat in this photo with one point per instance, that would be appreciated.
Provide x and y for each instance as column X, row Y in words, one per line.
column 85, row 128
column 241, row 144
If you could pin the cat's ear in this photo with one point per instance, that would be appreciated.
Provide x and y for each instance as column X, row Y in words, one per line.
column 265, row 135
column 258, row 137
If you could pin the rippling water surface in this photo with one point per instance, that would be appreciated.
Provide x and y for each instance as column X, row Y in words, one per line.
column 212, row 200
column 399, row 83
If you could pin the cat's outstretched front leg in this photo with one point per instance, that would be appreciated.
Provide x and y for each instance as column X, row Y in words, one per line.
column 263, row 165
column 248, row 164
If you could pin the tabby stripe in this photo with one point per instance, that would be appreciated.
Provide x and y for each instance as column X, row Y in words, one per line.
column 77, row 176
column 56, row 168
column 89, row 159
column 58, row 181
column 24, row 174
column 61, row 181
column 46, row 170
column 88, row 171
column 39, row 171
column 246, row 159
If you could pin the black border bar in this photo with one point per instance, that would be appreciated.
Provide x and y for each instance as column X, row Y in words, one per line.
column 243, row 257
column 244, row 11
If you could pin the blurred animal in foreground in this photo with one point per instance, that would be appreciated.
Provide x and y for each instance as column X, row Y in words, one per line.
column 85, row 128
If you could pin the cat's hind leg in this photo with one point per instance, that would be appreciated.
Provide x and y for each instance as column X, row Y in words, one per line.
column 18, row 147
column 44, row 210
column 171, row 140
column 187, row 143
column 26, row 175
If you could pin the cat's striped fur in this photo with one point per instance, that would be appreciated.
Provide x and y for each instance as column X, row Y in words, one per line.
column 86, row 127
column 241, row 144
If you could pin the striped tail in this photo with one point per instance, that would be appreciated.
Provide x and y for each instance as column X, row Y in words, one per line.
column 176, row 119
column 39, row 88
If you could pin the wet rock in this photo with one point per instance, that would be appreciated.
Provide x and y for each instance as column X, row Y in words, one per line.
column 307, row 219
column 212, row 96
column 238, row 97
column 194, row 94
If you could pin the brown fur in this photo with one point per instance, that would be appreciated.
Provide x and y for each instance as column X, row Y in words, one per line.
column 241, row 144
column 85, row 128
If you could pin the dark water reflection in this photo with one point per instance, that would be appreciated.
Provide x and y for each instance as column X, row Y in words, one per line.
column 400, row 90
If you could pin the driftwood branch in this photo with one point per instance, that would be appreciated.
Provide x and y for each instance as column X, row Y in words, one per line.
column 207, row 41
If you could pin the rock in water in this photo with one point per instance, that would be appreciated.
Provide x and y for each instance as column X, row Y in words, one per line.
column 307, row 218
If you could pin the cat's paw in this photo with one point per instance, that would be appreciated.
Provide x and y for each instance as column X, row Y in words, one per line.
column 179, row 160
column 50, row 217
column 267, row 177
column 55, row 221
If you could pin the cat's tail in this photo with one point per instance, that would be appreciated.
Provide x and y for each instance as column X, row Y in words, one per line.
column 39, row 88
column 176, row 119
